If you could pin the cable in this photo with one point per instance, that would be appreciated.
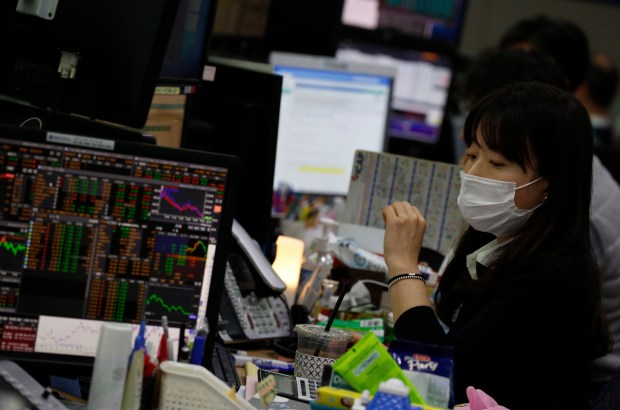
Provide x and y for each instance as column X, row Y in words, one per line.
column 374, row 282
column 35, row 119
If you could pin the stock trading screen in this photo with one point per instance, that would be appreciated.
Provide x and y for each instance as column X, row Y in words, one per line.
column 89, row 236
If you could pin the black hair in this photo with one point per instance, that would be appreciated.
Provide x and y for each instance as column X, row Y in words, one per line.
column 496, row 68
column 602, row 83
column 563, row 40
column 546, row 129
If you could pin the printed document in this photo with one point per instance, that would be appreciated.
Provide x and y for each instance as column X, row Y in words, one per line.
column 378, row 179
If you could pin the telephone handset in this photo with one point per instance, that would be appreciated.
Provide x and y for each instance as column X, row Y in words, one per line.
column 251, row 305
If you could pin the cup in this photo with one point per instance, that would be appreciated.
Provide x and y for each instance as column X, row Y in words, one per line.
column 317, row 348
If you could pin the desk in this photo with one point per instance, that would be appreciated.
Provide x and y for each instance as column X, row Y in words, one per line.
column 262, row 353
column 280, row 402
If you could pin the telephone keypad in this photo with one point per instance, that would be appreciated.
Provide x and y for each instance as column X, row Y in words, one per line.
column 261, row 318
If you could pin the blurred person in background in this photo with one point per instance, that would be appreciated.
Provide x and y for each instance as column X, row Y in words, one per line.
column 597, row 94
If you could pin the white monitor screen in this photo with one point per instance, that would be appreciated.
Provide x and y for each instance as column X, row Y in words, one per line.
column 328, row 110
column 420, row 88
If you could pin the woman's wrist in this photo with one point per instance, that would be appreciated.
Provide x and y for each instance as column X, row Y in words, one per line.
column 406, row 276
column 396, row 270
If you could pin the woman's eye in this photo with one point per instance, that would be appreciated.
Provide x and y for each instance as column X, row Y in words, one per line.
column 470, row 156
column 497, row 164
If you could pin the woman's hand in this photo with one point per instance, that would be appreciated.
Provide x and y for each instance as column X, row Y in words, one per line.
column 404, row 231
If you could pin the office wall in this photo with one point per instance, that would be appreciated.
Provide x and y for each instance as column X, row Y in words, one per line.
column 486, row 20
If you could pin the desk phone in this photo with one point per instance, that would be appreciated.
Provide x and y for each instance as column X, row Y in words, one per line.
column 251, row 306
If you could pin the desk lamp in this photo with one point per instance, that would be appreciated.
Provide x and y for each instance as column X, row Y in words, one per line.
column 289, row 257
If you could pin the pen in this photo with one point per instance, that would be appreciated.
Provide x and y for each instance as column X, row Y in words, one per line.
column 132, row 392
column 263, row 363
column 169, row 343
column 240, row 360
column 182, row 342
column 140, row 341
column 197, row 350
column 267, row 364
column 163, row 354
column 164, row 324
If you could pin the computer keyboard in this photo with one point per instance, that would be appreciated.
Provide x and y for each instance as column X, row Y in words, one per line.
column 223, row 366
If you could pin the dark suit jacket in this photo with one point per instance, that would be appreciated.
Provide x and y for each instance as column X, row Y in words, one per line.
column 526, row 340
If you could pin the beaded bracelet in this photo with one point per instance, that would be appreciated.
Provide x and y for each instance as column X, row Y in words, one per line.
column 404, row 276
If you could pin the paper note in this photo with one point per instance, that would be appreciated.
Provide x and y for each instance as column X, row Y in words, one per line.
column 378, row 179
column 267, row 389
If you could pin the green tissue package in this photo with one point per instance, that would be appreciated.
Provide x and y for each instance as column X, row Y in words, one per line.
column 365, row 365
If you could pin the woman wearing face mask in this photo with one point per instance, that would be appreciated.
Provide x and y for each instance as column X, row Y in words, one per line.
column 520, row 295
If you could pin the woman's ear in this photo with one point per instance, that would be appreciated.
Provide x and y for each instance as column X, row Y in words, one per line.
column 545, row 189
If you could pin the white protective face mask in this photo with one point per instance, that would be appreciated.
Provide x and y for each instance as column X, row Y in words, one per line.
column 488, row 205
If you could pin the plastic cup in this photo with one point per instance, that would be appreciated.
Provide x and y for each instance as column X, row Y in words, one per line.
column 313, row 339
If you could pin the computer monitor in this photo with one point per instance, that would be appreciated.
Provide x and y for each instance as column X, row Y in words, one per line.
column 421, row 86
column 98, row 59
column 187, row 49
column 236, row 112
column 95, row 230
column 328, row 110
column 436, row 21
column 303, row 26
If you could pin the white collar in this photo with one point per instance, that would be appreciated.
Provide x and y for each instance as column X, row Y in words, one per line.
column 483, row 256
column 600, row 121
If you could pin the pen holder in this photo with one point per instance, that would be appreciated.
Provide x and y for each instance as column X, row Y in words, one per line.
column 317, row 348
column 191, row 387
column 110, row 368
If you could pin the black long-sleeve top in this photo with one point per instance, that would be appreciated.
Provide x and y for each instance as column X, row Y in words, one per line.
column 526, row 340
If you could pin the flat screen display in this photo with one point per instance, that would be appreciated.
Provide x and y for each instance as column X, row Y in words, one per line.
column 95, row 230
column 328, row 110
column 96, row 59
column 187, row 49
column 439, row 21
column 237, row 113
column 421, row 86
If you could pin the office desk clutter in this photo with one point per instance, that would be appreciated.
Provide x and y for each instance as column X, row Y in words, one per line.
column 426, row 370
column 147, row 374
column 368, row 377
column 354, row 315
column 317, row 347
column 332, row 250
